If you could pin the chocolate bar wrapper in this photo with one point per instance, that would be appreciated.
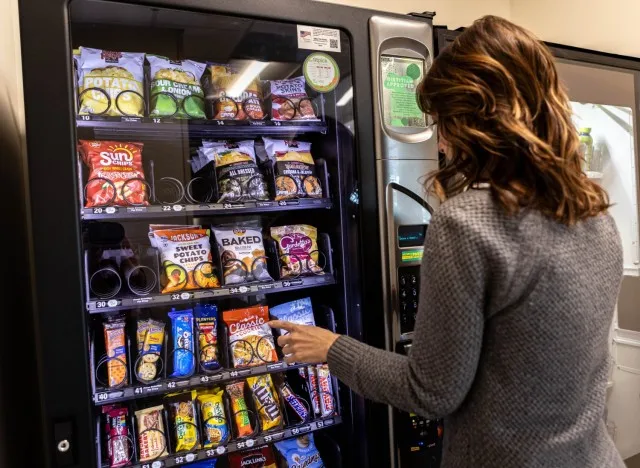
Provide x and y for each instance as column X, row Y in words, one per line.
column 294, row 402
column 117, row 433
column 266, row 400
column 312, row 384
column 327, row 402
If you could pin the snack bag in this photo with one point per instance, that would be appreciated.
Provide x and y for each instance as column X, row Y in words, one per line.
column 237, row 173
column 211, row 463
column 300, row 451
column 185, row 252
column 294, row 402
column 232, row 103
column 289, row 100
column 207, row 326
column 175, row 88
column 250, row 338
column 182, row 415
column 325, row 391
column 299, row 311
column 110, row 83
column 214, row 419
column 184, row 361
column 115, row 344
column 151, row 332
column 117, row 433
column 295, row 170
column 298, row 248
column 239, row 409
column 261, row 457
column 116, row 176
column 152, row 441
column 242, row 253
column 266, row 400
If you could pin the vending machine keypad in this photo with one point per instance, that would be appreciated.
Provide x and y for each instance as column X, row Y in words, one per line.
column 408, row 292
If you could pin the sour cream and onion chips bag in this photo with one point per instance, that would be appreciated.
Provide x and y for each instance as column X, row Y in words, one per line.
column 175, row 89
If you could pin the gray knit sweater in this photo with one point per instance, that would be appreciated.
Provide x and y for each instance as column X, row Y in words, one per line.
column 511, row 339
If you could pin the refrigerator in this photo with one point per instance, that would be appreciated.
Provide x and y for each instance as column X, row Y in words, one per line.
column 194, row 169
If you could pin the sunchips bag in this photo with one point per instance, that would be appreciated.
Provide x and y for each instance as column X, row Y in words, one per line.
column 175, row 89
column 231, row 103
column 295, row 169
column 116, row 175
column 238, row 176
column 185, row 252
column 110, row 83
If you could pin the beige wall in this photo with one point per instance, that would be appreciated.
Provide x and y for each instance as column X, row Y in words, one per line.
column 611, row 26
column 452, row 13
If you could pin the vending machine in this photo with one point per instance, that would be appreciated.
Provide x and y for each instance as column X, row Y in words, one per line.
column 406, row 151
column 194, row 169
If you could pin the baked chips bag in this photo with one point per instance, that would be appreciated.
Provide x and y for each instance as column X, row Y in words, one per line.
column 242, row 253
column 116, row 175
column 185, row 252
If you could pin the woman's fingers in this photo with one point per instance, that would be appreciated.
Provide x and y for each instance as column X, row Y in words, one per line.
column 284, row 340
column 283, row 325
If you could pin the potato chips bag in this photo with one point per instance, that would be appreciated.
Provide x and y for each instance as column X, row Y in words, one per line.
column 295, row 169
column 214, row 419
column 289, row 100
column 182, row 415
column 237, row 173
column 231, row 102
column 186, row 258
column 116, row 174
column 250, row 338
column 266, row 401
column 110, row 83
column 175, row 89
column 298, row 248
column 242, row 253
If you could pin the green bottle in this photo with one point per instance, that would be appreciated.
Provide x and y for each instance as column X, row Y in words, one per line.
column 586, row 147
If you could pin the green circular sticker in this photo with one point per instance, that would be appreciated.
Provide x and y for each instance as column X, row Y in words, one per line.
column 321, row 72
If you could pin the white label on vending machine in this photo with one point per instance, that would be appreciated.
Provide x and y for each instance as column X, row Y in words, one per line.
column 317, row 38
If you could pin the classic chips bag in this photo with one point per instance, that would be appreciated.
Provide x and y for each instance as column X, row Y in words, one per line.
column 238, row 176
column 289, row 100
column 250, row 338
column 294, row 169
column 266, row 400
column 182, row 415
column 299, row 311
column 116, row 176
column 298, row 248
column 242, row 253
column 185, row 252
column 110, row 83
column 175, row 89
column 214, row 419
column 231, row 103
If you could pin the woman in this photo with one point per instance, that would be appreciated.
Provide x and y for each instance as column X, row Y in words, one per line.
column 521, row 270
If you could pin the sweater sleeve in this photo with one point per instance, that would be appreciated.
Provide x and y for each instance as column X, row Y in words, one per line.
column 435, row 377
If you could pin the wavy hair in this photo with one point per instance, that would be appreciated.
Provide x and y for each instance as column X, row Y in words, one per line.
column 506, row 118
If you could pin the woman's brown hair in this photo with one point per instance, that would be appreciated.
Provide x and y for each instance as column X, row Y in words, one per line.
column 506, row 118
